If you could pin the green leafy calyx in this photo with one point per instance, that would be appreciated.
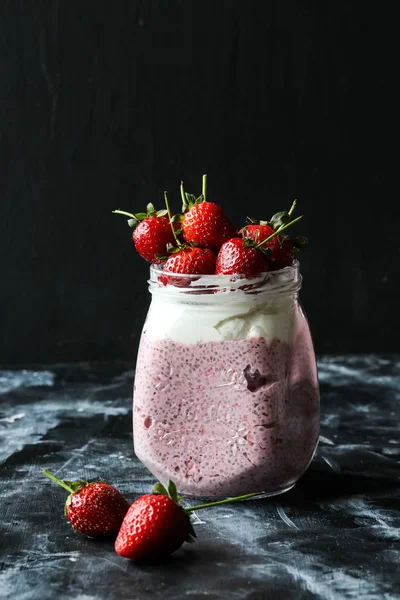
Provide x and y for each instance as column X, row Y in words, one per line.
column 136, row 218
column 189, row 200
column 171, row 492
column 278, row 222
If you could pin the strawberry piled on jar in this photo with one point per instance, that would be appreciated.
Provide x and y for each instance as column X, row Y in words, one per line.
column 202, row 240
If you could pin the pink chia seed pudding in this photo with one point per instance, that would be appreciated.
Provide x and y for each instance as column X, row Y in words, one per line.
column 229, row 417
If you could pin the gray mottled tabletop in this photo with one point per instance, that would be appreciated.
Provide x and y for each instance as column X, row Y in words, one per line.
column 335, row 535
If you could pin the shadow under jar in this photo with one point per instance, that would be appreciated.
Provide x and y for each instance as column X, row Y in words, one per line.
column 226, row 398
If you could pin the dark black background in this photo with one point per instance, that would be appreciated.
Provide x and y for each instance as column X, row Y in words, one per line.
column 105, row 104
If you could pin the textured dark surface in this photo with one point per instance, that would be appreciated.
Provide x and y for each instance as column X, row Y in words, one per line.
column 105, row 104
column 335, row 535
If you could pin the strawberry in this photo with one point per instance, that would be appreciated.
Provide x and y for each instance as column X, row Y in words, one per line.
column 156, row 524
column 282, row 255
column 281, row 249
column 153, row 234
column 204, row 223
column 95, row 509
column 191, row 260
column 257, row 232
column 236, row 256
column 278, row 249
column 152, row 237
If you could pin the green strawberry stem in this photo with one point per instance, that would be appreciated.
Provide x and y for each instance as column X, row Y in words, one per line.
column 291, row 210
column 54, row 478
column 281, row 228
column 204, row 188
column 183, row 196
column 170, row 219
column 226, row 501
column 122, row 212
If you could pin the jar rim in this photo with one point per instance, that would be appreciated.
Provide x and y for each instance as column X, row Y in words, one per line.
column 284, row 281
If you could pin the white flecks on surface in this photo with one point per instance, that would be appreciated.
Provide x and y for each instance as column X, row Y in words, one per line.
column 12, row 418
column 325, row 440
column 196, row 519
column 75, row 453
column 12, row 380
column 285, row 518
column 334, row 372
column 330, row 584
column 362, row 408
column 342, row 546
column 47, row 415
column 365, row 514
column 71, row 555
column 332, row 463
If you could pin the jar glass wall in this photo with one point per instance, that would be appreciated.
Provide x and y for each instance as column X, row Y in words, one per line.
column 226, row 398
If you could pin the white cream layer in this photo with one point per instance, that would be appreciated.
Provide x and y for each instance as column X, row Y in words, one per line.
column 188, row 323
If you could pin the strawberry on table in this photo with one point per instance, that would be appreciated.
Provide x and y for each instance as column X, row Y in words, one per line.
column 152, row 234
column 205, row 223
column 157, row 525
column 95, row 509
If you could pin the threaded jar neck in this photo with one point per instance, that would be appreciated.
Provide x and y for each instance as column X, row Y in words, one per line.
column 222, row 288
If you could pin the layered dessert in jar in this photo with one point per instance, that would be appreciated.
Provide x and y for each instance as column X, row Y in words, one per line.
column 226, row 397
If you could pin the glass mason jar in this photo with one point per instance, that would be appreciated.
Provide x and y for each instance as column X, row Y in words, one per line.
column 226, row 398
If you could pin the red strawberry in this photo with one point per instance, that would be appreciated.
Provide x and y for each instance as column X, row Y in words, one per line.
column 204, row 223
column 152, row 234
column 95, row 509
column 282, row 256
column 191, row 260
column 278, row 250
column 282, row 252
column 257, row 233
column 236, row 257
column 152, row 237
column 156, row 525
column 207, row 225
